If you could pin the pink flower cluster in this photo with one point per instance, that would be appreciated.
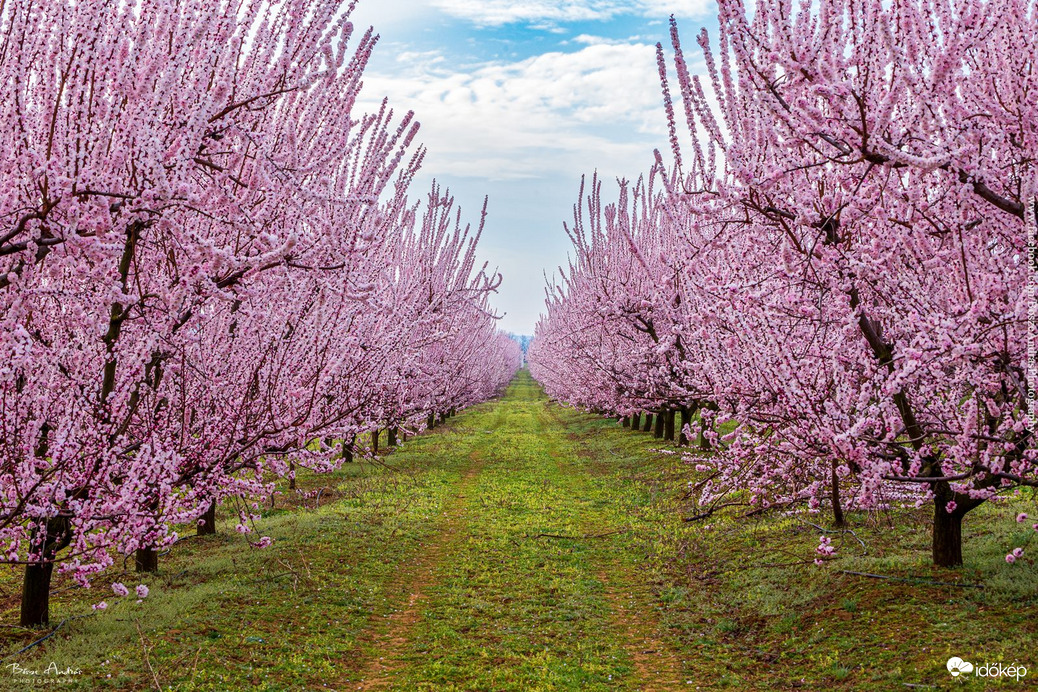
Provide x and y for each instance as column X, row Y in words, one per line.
column 824, row 550
column 120, row 589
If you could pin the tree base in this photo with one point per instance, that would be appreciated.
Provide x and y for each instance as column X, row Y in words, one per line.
column 36, row 595
column 947, row 537
column 146, row 560
column 207, row 522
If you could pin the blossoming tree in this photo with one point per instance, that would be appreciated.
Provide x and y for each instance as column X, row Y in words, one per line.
column 196, row 231
column 850, row 227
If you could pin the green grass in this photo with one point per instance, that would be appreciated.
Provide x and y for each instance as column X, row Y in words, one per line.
column 222, row 615
column 527, row 546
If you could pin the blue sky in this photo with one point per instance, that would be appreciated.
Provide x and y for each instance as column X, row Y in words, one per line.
column 518, row 99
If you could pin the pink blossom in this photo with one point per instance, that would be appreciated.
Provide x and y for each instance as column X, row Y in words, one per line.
column 99, row 606
column 142, row 591
column 825, row 547
column 119, row 589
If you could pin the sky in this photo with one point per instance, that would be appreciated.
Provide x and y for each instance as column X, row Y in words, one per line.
column 517, row 100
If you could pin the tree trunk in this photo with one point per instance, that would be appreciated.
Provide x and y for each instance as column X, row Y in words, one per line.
column 36, row 581
column 838, row 519
column 392, row 437
column 374, row 441
column 291, row 476
column 704, row 443
column 636, row 422
column 431, row 423
column 686, row 419
column 146, row 560
column 347, row 451
column 947, row 537
column 207, row 522
column 947, row 526
column 648, row 423
column 36, row 595
column 658, row 424
column 668, row 427
column 625, row 422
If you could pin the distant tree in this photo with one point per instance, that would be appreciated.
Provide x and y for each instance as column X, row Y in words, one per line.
column 524, row 342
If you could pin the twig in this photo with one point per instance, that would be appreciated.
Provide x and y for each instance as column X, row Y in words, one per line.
column 772, row 564
column 295, row 574
column 147, row 658
column 170, row 577
column 194, row 664
column 65, row 588
column 179, row 540
column 579, row 538
column 919, row 580
column 272, row 578
column 755, row 512
column 700, row 484
column 378, row 462
column 864, row 547
column 709, row 512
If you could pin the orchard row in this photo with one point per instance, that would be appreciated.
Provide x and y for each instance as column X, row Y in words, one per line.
column 834, row 276
column 211, row 272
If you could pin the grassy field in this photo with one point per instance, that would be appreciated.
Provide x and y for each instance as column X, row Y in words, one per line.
column 526, row 546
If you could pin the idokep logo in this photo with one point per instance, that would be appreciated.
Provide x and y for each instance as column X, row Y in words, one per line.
column 956, row 666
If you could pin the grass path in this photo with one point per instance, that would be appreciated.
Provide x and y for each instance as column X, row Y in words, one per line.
column 522, row 588
column 526, row 546
column 391, row 641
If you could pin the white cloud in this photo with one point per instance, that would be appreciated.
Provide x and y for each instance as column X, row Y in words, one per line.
column 390, row 17
column 499, row 12
column 553, row 113
column 428, row 57
column 522, row 131
column 680, row 8
column 588, row 40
